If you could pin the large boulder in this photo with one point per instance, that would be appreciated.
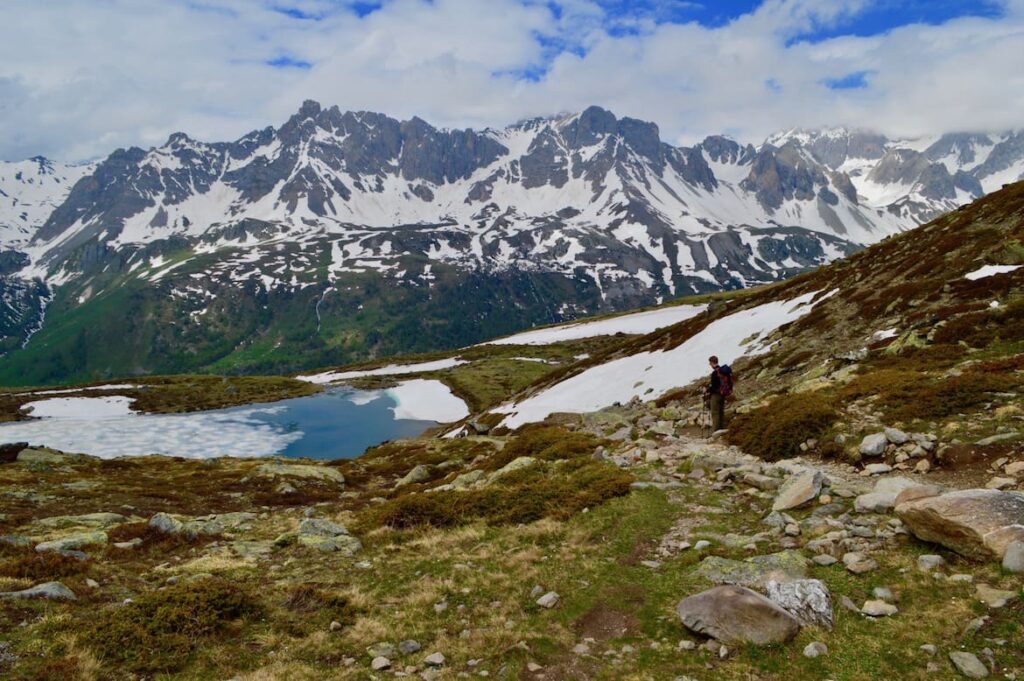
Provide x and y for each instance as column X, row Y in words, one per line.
column 306, row 471
column 799, row 489
column 976, row 523
column 73, row 542
column 54, row 591
column 735, row 615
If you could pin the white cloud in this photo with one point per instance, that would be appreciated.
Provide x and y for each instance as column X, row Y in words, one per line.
column 78, row 79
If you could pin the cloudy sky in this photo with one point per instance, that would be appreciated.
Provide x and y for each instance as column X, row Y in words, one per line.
column 79, row 78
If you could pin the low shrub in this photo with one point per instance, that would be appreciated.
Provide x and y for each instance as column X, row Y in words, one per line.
column 526, row 496
column 929, row 399
column 312, row 599
column 545, row 442
column 159, row 631
column 48, row 565
column 775, row 431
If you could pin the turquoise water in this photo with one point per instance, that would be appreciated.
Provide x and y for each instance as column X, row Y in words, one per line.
column 339, row 423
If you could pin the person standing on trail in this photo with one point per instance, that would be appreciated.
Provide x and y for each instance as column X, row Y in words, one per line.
column 719, row 388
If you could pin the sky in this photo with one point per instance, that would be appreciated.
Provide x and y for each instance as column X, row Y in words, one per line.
column 79, row 78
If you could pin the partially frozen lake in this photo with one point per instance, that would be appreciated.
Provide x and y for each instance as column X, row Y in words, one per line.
column 338, row 423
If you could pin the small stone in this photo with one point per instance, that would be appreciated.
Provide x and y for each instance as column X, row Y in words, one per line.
column 874, row 444
column 858, row 563
column 798, row 490
column 929, row 649
column 961, row 578
column 408, row 647
column 434, row 660
column 687, row 644
column 895, row 436
column 792, row 530
column 879, row 609
column 815, row 649
column 992, row 597
column 930, row 562
column 581, row 649
column 701, row 545
column 923, row 466
column 533, row 667
column 825, row 560
column 1013, row 559
column 883, row 593
column 380, row 664
column 335, row 625
column 877, row 468
column 548, row 600
column 968, row 664
column 92, row 583
column 1001, row 483
column 1016, row 469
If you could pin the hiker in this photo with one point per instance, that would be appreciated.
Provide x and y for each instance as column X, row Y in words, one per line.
column 719, row 388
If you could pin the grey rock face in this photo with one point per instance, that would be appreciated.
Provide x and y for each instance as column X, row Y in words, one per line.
column 809, row 600
column 976, row 523
column 734, row 615
column 968, row 664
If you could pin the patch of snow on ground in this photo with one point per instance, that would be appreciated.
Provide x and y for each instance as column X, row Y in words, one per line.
column 885, row 334
column 201, row 435
column 65, row 391
column 651, row 374
column 390, row 370
column 81, row 407
column 990, row 271
column 637, row 323
column 426, row 400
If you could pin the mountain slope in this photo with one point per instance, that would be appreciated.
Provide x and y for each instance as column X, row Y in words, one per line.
column 948, row 293
column 342, row 236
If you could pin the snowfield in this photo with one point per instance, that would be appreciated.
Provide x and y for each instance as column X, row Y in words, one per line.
column 990, row 271
column 651, row 374
column 638, row 323
column 426, row 400
column 81, row 407
column 390, row 370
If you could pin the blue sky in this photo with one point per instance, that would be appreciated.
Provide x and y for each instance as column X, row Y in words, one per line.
column 79, row 79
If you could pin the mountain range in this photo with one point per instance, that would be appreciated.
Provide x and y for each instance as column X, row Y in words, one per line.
column 340, row 236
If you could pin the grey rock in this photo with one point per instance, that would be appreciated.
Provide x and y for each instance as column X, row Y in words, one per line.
column 735, row 615
column 548, row 600
column 858, row 563
column 968, row 664
column 1013, row 559
column 73, row 542
column 815, row 649
column 420, row 473
column 434, row 660
column 408, row 647
column 878, row 608
column 798, row 490
column 380, row 663
column 976, row 523
column 874, row 444
column 930, row 562
column 809, row 600
column 754, row 571
column 896, row 436
column 54, row 591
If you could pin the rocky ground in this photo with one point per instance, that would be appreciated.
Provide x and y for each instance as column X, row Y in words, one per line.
column 618, row 545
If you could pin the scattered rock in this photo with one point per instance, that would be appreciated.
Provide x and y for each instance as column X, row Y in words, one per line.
column 877, row 468
column 879, row 609
column 54, row 591
column 815, row 649
column 858, row 563
column 997, row 438
column 895, row 436
column 992, row 597
column 516, row 464
column 874, row 444
column 408, row 647
column 930, row 562
column 98, row 520
column 976, row 523
column 736, row 615
column 824, row 559
column 929, row 649
column 548, row 600
column 968, row 664
column 434, row 660
column 883, row 497
column 73, row 542
column 327, row 536
column 288, row 470
column 420, row 473
column 701, row 545
column 380, row 664
column 798, row 490
column 1001, row 483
